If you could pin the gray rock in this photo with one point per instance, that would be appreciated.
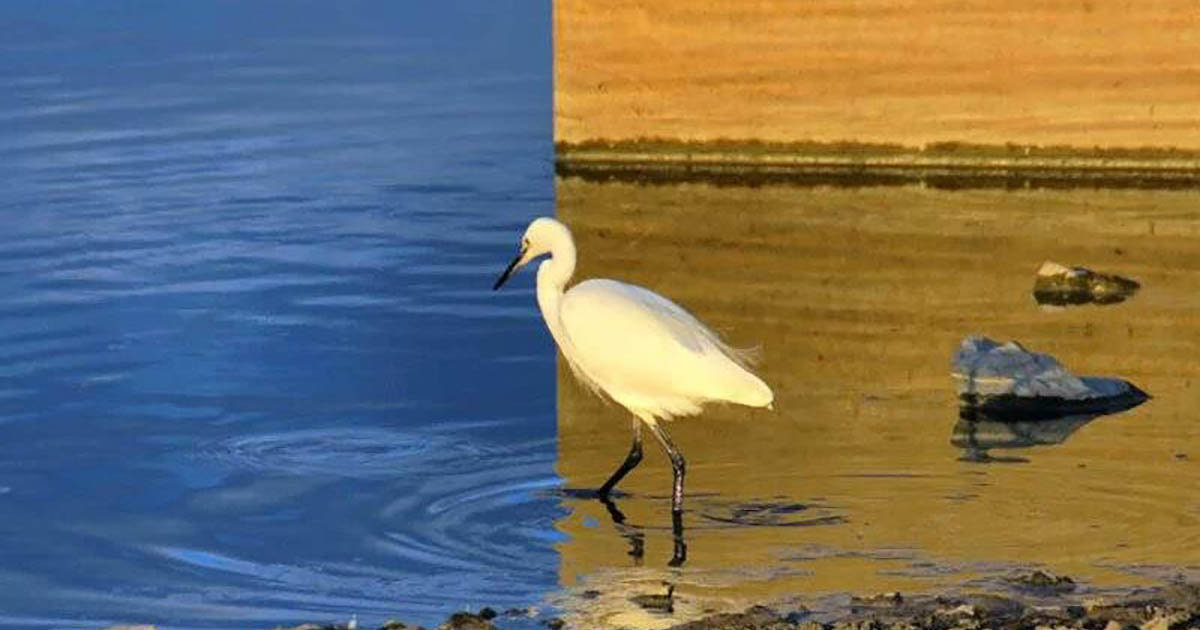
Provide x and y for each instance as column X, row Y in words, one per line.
column 1008, row 378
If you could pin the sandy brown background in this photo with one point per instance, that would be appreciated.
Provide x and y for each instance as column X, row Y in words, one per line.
column 1085, row 73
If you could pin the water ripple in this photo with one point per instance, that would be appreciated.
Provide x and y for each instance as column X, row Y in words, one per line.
column 226, row 378
column 342, row 452
column 450, row 503
column 491, row 515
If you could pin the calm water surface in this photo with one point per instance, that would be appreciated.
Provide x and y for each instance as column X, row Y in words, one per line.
column 253, row 370
column 254, row 373
column 864, row 478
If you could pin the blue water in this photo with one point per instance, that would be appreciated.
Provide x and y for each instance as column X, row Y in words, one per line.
column 253, row 372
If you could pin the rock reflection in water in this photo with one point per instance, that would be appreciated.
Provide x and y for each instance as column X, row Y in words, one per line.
column 978, row 431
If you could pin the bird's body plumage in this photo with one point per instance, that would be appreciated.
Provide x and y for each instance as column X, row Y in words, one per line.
column 649, row 354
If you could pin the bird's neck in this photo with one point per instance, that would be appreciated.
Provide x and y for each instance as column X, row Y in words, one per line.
column 556, row 271
column 552, row 277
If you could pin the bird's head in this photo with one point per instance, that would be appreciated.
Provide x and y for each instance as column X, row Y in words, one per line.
column 540, row 238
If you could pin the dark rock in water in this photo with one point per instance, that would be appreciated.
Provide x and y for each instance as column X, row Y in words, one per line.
column 799, row 615
column 1008, row 382
column 466, row 621
column 882, row 600
column 661, row 603
column 556, row 623
column 988, row 610
column 1183, row 597
column 1060, row 285
column 1043, row 583
column 941, row 613
column 1013, row 398
column 753, row 618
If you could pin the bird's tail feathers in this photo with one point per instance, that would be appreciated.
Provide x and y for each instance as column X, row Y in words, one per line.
column 745, row 357
column 753, row 392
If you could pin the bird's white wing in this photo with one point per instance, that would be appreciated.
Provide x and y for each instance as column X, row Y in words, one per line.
column 648, row 353
column 658, row 312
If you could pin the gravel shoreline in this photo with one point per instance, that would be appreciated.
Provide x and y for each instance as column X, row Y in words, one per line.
column 1040, row 605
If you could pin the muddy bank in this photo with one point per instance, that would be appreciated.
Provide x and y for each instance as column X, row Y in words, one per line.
column 947, row 165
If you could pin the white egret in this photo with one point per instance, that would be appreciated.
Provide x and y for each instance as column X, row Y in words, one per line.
column 638, row 348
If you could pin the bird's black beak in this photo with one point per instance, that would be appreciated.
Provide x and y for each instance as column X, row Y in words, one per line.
column 512, row 266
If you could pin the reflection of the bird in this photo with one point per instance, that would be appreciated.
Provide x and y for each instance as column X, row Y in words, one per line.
column 714, row 514
column 634, row 534
column 637, row 539
column 978, row 430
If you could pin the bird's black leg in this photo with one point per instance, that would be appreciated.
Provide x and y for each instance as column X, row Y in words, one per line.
column 678, row 464
column 680, row 555
column 631, row 461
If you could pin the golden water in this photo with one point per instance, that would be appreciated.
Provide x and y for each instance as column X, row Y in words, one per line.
column 857, row 298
